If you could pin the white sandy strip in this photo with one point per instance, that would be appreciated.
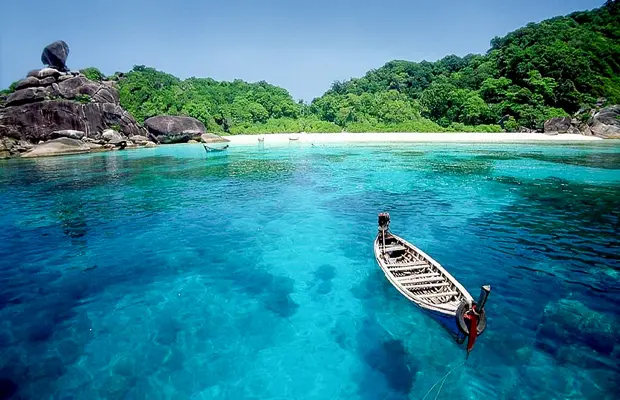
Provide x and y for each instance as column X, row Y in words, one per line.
column 509, row 137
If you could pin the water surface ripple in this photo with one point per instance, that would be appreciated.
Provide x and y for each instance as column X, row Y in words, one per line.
column 167, row 273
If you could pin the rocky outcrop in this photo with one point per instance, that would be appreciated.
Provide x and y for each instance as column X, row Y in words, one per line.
column 37, row 121
column 55, row 55
column 52, row 103
column 558, row 125
column 68, row 133
column 606, row 123
column 58, row 147
column 174, row 129
column 212, row 138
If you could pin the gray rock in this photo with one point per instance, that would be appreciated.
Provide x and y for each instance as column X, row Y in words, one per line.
column 68, row 133
column 48, row 73
column 606, row 123
column 192, row 141
column 585, row 129
column 34, row 72
column 139, row 139
column 55, row 55
column 212, row 138
column 559, row 125
column 80, row 85
column 64, row 77
column 95, row 147
column 58, row 147
column 150, row 144
column 47, row 81
column 174, row 129
column 30, row 81
column 110, row 135
column 36, row 121
column 28, row 95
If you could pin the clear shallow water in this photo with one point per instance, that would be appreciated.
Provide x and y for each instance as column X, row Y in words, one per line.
column 162, row 273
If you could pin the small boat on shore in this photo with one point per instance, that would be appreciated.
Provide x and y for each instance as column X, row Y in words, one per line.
column 293, row 138
column 425, row 282
column 209, row 149
column 261, row 139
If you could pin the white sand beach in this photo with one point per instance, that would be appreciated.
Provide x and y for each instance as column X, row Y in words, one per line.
column 370, row 137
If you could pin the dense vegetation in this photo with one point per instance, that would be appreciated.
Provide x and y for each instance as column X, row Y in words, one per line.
column 553, row 68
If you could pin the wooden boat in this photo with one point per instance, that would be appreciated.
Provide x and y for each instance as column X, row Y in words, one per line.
column 421, row 279
column 214, row 149
column 261, row 139
column 293, row 138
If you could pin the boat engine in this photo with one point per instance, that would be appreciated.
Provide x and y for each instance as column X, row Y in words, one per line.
column 472, row 320
column 384, row 222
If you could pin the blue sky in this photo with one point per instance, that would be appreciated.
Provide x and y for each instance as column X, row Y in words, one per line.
column 302, row 46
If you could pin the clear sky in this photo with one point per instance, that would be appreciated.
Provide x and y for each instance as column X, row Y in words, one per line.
column 302, row 46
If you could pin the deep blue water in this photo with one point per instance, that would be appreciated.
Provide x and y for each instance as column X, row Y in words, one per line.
column 166, row 273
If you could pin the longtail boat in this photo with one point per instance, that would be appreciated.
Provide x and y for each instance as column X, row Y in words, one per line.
column 209, row 149
column 425, row 282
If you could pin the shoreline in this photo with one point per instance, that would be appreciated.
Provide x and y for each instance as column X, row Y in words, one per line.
column 408, row 137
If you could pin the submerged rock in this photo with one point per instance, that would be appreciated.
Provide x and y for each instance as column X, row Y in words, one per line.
column 574, row 333
column 174, row 129
column 58, row 147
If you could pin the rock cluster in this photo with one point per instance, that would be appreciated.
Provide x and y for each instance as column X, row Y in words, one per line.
column 51, row 104
column 174, row 129
column 604, row 123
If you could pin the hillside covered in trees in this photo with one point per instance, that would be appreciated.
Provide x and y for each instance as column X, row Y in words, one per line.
column 554, row 68
column 544, row 70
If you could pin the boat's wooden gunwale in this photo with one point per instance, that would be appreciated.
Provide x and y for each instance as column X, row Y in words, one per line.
column 447, row 308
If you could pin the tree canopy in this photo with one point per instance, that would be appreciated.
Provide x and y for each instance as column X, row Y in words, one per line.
column 543, row 70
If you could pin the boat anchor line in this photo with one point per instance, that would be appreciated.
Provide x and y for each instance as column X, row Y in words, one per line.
column 430, row 286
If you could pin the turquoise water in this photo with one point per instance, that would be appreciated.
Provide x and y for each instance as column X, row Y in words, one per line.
column 171, row 274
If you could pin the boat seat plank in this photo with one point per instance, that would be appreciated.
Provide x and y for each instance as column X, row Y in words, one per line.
column 395, row 247
column 431, row 296
column 409, row 285
column 405, row 266
column 420, row 276
column 402, row 267
column 409, row 280
column 428, row 286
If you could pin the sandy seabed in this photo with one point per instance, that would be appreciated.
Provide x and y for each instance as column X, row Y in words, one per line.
column 510, row 137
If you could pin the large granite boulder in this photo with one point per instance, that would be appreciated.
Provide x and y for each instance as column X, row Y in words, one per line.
column 174, row 129
column 80, row 85
column 558, row 125
column 606, row 123
column 55, row 55
column 30, row 81
column 34, row 122
column 212, row 138
column 24, row 96
column 58, row 147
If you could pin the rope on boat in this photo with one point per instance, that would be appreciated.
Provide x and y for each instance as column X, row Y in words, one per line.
column 442, row 380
